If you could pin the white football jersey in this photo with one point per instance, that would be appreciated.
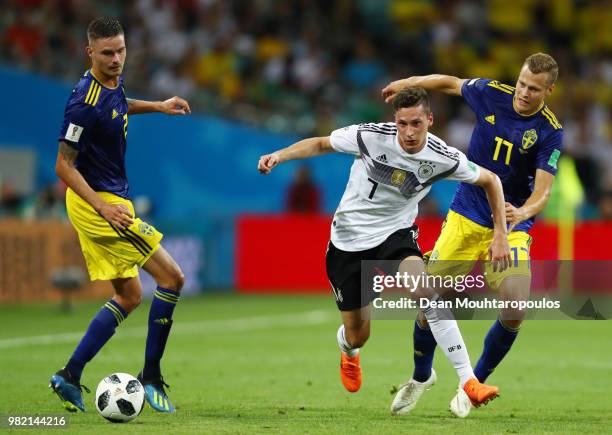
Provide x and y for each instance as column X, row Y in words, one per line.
column 386, row 183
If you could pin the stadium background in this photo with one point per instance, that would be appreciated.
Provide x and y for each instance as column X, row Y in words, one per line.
column 259, row 75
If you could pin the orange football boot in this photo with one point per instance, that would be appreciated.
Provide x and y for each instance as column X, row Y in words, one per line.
column 350, row 372
column 480, row 394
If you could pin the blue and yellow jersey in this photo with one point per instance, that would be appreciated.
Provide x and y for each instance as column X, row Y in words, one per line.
column 95, row 124
column 511, row 145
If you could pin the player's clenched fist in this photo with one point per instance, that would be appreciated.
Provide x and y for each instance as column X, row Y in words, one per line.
column 267, row 162
column 175, row 106
column 499, row 253
column 514, row 216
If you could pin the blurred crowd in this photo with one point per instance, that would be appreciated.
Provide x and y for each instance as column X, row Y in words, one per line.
column 308, row 66
column 48, row 203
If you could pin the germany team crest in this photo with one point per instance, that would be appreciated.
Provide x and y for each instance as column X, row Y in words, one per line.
column 425, row 170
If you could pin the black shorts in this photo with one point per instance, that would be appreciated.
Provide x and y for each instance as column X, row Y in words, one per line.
column 344, row 267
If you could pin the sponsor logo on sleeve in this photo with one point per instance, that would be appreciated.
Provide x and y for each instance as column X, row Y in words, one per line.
column 554, row 157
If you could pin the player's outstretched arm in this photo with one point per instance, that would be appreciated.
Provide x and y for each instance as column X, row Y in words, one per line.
column 499, row 251
column 171, row 106
column 311, row 147
column 536, row 201
column 117, row 215
column 434, row 82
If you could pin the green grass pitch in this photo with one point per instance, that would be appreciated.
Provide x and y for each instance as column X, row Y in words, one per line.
column 251, row 364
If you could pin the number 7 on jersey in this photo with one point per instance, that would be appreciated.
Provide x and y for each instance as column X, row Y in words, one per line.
column 374, row 186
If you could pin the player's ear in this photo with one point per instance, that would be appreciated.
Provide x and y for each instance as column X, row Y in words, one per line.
column 549, row 90
column 430, row 119
column 89, row 51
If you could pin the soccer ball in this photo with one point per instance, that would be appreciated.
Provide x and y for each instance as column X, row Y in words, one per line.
column 120, row 397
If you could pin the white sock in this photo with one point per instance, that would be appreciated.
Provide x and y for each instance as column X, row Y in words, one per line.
column 344, row 345
column 446, row 332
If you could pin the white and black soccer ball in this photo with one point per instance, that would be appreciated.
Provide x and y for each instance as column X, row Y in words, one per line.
column 120, row 397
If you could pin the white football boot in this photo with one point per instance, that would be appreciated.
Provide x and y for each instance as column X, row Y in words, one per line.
column 409, row 394
column 461, row 405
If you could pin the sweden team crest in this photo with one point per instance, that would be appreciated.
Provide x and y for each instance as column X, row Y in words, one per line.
column 529, row 138
column 398, row 177
column 145, row 229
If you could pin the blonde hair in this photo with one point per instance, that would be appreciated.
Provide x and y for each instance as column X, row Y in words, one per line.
column 543, row 63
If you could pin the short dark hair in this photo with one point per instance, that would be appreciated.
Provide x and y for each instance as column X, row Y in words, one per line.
column 543, row 63
column 104, row 27
column 411, row 97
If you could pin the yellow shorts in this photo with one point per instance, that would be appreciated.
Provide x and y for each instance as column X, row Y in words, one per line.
column 462, row 242
column 111, row 253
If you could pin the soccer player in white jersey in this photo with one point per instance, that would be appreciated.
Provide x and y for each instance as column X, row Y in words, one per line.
column 395, row 165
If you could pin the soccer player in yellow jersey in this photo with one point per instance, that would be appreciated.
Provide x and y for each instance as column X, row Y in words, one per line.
column 518, row 138
column 91, row 161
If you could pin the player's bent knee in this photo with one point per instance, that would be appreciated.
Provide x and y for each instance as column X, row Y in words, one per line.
column 129, row 302
column 174, row 281
column 180, row 280
column 513, row 318
column 136, row 300
column 514, row 324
